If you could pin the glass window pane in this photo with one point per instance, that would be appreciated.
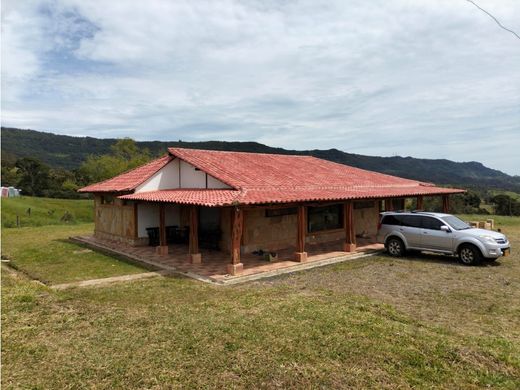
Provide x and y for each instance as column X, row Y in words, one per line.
column 325, row 218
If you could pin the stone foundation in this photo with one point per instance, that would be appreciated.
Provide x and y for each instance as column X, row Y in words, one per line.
column 301, row 257
column 161, row 250
column 195, row 258
column 235, row 269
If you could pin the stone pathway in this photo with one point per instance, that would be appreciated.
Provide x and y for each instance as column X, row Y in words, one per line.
column 113, row 279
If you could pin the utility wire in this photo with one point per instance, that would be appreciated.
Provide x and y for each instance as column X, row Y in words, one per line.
column 495, row 19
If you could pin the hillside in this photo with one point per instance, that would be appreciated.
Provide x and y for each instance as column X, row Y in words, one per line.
column 69, row 152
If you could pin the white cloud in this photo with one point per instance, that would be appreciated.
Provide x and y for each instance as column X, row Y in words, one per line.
column 423, row 78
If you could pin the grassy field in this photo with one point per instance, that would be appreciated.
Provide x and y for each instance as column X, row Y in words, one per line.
column 41, row 249
column 44, row 253
column 45, row 211
column 423, row 321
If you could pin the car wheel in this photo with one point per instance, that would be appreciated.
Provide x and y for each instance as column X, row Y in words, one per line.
column 395, row 247
column 469, row 255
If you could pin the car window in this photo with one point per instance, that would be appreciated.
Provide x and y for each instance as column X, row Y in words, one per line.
column 411, row 220
column 456, row 223
column 390, row 220
column 431, row 223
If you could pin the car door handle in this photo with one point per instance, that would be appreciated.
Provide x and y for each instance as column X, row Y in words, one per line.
column 424, row 232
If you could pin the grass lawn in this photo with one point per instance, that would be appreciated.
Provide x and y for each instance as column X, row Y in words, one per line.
column 45, row 254
column 45, row 211
column 423, row 321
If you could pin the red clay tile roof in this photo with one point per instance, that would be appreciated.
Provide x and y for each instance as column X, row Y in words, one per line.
column 203, row 197
column 128, row 181
column 268, row 178
column 258, row 170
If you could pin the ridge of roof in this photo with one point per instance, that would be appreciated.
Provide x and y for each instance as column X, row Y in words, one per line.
column 240, row 152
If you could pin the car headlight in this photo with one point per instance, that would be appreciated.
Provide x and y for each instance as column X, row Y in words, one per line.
column 488, row 239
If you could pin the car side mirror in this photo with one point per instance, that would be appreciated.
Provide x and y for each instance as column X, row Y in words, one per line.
column 446, row 229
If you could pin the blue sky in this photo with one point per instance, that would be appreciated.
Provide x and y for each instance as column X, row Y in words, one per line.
column 432, row 79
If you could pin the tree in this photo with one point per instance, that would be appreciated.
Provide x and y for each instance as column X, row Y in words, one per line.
column 505, row 205
column 10, row 176
column 61, row 184
column 472, row 199
column 34, row 176
column 125, row 155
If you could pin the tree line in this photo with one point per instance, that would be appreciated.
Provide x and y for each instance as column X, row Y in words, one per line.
column 35, row 178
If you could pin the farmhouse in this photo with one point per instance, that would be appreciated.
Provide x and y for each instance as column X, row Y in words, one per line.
column 248, row 204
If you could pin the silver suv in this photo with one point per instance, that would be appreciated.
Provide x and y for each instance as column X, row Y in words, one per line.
column 443, row 233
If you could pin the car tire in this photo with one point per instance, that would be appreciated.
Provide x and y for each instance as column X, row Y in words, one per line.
column 469, row 255
column 395, row 247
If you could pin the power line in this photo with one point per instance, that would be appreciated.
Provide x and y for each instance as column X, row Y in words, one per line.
column 495, row 19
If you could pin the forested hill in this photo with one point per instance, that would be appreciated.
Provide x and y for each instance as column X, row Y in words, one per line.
column 60, row 151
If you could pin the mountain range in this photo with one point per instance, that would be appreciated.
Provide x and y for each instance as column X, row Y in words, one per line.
column 68, row 152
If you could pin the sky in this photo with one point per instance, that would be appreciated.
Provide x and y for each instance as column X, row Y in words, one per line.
column 421, row 78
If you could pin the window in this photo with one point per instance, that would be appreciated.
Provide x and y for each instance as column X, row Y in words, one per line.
column 324, row 218
column 391, row 220
column 431, row 223
column 411, row 221
column 280, row 212
column 456, row 223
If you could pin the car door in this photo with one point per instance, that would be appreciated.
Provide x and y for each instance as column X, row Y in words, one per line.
column 432, row 235
column 411, row 229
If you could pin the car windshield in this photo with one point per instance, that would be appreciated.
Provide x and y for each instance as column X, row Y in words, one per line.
column 455, row 222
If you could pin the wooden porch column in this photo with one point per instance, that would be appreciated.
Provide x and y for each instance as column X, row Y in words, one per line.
column 236, row 266
column 195, row 256
column 389, row 204
column 162, row 249
column 445, row 203
column 300, row 254
column 348, row 223
column 420, row 203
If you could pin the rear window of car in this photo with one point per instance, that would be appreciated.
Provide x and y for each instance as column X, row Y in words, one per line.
column 391, row 220
column 402, row 220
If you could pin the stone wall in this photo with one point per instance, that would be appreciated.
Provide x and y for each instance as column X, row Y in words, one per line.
column 366, row 220
column 114, row 221
column 275, row 233
column 268, row 233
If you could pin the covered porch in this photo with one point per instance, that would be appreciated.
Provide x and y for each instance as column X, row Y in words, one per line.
column 214, row 267
column 345, row 237
column 249, row 236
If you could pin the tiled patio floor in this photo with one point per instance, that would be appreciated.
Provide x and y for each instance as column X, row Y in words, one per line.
column 214, row 263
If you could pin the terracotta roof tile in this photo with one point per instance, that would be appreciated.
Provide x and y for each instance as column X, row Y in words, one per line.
column 201, row 197
column 268, row 178
column 204, row 197
column 256, row 170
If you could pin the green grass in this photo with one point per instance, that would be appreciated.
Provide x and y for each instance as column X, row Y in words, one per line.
column 45, row 254
column 45, row 211
column 500, row 220
column 422, row 321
